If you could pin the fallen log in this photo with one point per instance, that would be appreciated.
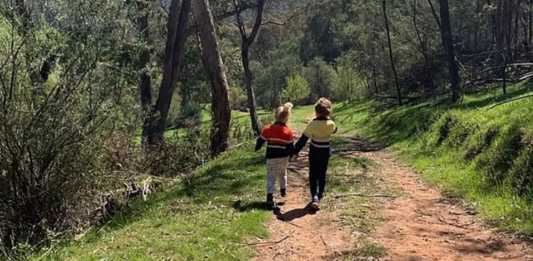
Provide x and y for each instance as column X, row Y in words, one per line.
column 365, row 195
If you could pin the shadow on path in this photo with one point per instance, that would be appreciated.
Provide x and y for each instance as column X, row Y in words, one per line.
column 293, row 214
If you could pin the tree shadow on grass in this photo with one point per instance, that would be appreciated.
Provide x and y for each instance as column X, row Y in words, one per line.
column 227, row 176
column 255, row 205
column 230, row 177
column 407, row 123
column 490, row 100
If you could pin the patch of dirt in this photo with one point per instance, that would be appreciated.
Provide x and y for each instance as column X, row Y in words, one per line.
column 421, row 224
column 308, row 235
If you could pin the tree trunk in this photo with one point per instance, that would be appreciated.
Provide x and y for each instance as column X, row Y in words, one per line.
column 247, row 41
column 530, row 23
column 155, row 124
column 447, row 38
column 374, row 67
column 498, row 29
column 248, row 78
column 516, row 34
column 37, row 74
column 399, row 91
column 428, row 81
column 215, row 68
column 144, row 60
column 24, row 13
column 476, row 26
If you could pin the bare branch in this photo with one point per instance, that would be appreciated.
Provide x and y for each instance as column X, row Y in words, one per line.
column 258, row 20
column 437, row 19
column 294, row 15
column 240, row 23
column 274, row 23
column 365, row 195
column 164, row 10
column 509, row 101
column 192, row 29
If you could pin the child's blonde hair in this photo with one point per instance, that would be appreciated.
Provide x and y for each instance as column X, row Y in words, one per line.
column 283, row 113
column 323, row 108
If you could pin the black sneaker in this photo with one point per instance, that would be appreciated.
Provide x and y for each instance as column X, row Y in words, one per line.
column 283, row 193
column 270, row 200
column 320, row 196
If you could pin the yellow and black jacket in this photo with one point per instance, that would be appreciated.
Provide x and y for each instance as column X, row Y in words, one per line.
column 319, row 131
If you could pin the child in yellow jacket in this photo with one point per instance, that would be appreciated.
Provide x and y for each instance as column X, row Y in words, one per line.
column 319, row 131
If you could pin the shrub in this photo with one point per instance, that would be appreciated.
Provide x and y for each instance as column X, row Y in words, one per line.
column 53, row 134
column 296, row 89
column 321, row 78
column 237, row 98
column 180, row 153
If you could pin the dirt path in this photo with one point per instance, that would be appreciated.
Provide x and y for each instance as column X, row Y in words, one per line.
column 306, row 235
column 421, row 224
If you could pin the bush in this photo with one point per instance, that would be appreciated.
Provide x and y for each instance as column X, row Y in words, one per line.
column 54, row 134
column 321, row 78
column 349, row 85
column 50, row 147
column 175, row 111
column 237, row 98
column 297, row 89
column 180, row 153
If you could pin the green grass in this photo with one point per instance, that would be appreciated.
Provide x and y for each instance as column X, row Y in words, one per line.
column 238, row 119
column 483, row 155
column 212, row 214
column 365, row 249
column 207, row 218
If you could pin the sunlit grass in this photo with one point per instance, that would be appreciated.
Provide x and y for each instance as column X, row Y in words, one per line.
column 482, row 154
column 207, row 218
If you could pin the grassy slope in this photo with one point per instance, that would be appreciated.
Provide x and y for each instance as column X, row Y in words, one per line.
column 192, row 221
column 210, row 216
column 483, row 155
column 473, row 152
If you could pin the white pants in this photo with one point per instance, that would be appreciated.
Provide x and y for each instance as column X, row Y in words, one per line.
column 277, row 169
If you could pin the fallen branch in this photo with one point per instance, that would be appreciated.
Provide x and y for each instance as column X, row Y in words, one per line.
column 46, row 253
column 365, row 195
column 290, row 223
column 266, row 243
column 240, row 145
column 324, row 241
column 509, row 101
column 463, row 226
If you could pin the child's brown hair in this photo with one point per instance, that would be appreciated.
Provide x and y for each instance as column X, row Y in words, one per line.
column 323, row 108
column 283, row 113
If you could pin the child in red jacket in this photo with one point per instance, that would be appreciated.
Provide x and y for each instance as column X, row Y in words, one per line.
column 280, row 147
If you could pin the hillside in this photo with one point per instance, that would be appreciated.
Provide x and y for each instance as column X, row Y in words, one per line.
column 219, row 214
column 472, row 149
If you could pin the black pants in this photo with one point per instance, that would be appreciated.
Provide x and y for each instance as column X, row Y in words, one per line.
column 318, row 166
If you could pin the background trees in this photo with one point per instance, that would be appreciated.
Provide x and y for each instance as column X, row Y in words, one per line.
column 78, row 78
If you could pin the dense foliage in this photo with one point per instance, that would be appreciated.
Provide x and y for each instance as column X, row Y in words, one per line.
column 81, row 81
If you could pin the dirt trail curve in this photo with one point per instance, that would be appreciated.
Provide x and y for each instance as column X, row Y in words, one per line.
column 420, row 225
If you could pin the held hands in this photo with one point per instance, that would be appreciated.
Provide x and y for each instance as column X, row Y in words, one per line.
column 295, row 157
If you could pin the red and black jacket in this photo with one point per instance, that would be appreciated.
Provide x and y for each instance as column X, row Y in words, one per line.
column 280, row 141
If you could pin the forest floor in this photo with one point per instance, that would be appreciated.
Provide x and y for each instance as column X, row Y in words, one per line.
column 396, row 217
